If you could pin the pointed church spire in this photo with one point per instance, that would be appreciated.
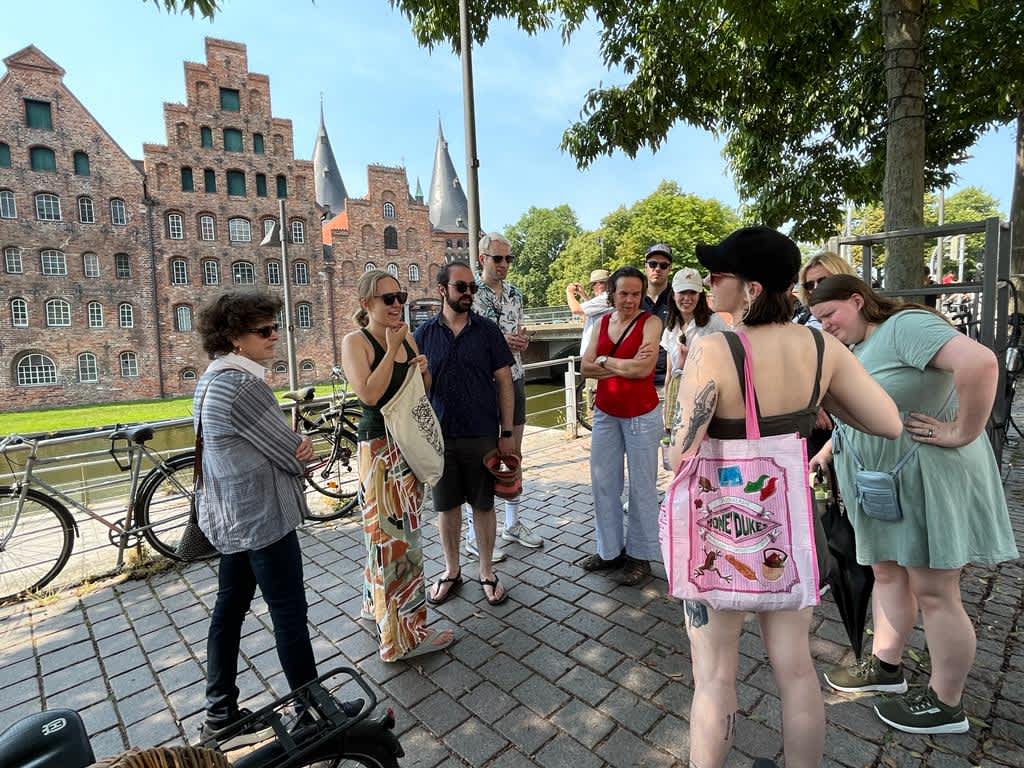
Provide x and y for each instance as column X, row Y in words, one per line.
column 419, row 191
column 449, row 209
column 327, row 181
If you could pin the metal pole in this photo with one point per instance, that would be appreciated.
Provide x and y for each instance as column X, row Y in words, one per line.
column 940, row 245
column 472, row 162
column 289, row 329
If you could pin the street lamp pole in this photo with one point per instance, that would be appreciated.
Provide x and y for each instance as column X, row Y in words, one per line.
column 277, row 233
column 472, row 162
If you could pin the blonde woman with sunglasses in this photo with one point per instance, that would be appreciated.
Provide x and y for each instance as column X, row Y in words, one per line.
column 817, row 268
column 376, row 360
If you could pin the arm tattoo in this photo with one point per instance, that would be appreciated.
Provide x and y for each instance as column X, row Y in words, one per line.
column 703, row 410
column 696, row 613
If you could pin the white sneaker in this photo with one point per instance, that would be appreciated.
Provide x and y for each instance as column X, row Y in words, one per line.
column 521, row 534
column 497, row 554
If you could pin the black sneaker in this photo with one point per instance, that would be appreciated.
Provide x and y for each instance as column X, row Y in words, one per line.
column 922, row 712
column 253, row 733
column 597, row 563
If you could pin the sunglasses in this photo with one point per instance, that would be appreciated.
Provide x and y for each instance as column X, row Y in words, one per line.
column 390, row 298
column 716, row 277
column 461, row 286
column 810, row 285
column 500, row 259
column 266, row 331
column 662, row 265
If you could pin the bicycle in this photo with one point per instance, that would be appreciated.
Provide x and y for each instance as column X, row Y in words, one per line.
column 37, row 532
column 325, row 736
column 584, row 402
column 332, row 427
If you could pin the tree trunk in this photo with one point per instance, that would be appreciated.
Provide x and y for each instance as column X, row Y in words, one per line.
column 1017, row 212
column 903, row 189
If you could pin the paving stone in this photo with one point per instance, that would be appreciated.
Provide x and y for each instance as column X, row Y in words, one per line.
column 525, row 729
column 108, row 743
column 559, row 636
column 588, row 624
column 587, row 685
column 410, row 687
column 154, row 730
column 67, row 656
column 846, row 749
column 440, row 713
column 640, row 679
column 636, row 715
column 69, row 677
column 141, row 705
column 624, row 749
column 422, row 749
column 514, row 642
column 15, row 672
column 23, row 690
column 562, row 752
column 504, row 671
column 672, row 735
column 130, row 682
column 540, row 695
column 584, row 722
column 475, row 742
column 487, row 701
column 512, row 758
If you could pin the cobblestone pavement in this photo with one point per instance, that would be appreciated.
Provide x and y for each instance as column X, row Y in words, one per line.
column 574, row 670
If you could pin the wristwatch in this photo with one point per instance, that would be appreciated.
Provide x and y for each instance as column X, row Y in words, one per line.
column 602, row 360
column 506, row 433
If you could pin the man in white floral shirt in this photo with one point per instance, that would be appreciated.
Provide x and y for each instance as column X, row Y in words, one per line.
column 500, row 301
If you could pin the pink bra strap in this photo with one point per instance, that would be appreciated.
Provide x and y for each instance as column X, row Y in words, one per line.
column 753, row 428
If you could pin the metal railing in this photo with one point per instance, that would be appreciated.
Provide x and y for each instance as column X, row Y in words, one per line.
column 541, row 315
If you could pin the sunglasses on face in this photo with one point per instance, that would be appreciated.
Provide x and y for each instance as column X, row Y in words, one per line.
column 500, row 259
column 266, row 331
column 810, row 285
column 390, row 298
column 716, row 277
column 662, row 265
column 461, row 286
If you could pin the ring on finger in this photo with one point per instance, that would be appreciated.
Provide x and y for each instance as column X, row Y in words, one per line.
column 931, row 433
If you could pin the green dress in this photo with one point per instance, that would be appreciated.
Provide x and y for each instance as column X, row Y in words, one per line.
column 954, row 510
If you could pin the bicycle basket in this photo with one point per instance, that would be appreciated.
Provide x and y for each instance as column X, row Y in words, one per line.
column 166, row 757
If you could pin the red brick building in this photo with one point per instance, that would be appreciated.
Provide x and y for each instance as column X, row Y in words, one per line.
column 77, row 290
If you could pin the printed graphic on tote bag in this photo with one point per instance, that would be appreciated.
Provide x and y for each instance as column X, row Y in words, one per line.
column 742, row 519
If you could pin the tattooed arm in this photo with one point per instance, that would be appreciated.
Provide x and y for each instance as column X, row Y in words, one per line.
column 698, row 398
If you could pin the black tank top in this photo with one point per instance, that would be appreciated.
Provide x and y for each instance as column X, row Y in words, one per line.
column 801, row 421
column 371, row 422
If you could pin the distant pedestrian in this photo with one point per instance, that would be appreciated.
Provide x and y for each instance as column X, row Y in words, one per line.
column 591, row 307
column 658, row 296
column 502, row 302
column 627, row 429
column 816, row 269
column 689, row 317
column 472, row 394
column 376, row 360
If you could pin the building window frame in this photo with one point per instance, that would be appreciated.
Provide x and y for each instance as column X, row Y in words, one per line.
column 243, row 273
column 42, row 159
column 281, row 182
column 233, row 141
column 389, row 210
column 80, row 163
column 230, row 100
column 19, row 312
column 207, row 228
column 8, row 204
column 86, row 210
column 129, row 364
column 261, row 185
column 414, row 273
column 239, row 230
column 38, row 114
column 179, row 272
column 236, row 183
column 273, row 272
column 94, row 313
column 188, row 374
column 58, row 313
column 118, row 212
column 211, row 272
column 298, row 228
column 187, row 180
column 390, row 239
column 209, row 181
column 35, row 370
column 90, row 264
column 304, row 315
column 53, row 263
column 13, row 260
column 258, row 145
column 122, row 266
column 47, row 207
column 183, row 318
column 125, row 315
column 175, row 226
column 206, row 137
column 301, row 273
column 88, row 370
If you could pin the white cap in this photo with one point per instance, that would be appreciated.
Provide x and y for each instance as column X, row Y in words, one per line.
column 687, row 279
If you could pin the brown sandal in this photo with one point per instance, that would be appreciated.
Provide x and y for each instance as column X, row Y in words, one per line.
column 493, row 584
column 456, row 584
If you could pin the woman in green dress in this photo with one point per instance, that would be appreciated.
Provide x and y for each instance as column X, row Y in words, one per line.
column 950, row 495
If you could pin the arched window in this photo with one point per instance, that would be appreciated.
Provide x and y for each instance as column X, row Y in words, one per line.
column 179, row 272
column 188, row 374
column 211, row 272
column 42, row 159
column 126, row 315
column 273, row 272
column 47, row 207
column 414, row 273
column 53, row 263
column 393, row 270
column 35, row 370
column 118, row 212
column 183, row 318
column 95, row 312
column 301, row 273
column 257, row 144
column 369, row 266
column 58, row 313
column 298, row 231
column 80, row 160
column 267, row 224
column 175, row 226
column 19, row 313
column 239, row 230
column 8, row 207
column 207, row 227
column 243, row 273
column 12, row 260
column 129, row 365
column 307, row 366
column 86, row 211
column 90, row 265
column 389, row 210
column 280, row 367
column 390, row 238
column 122, row 266
column 88, row 372
column 304, row 315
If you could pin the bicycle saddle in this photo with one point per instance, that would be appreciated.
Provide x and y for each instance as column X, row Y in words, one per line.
column 301, row 395
column 51, row 739
column 139, row 434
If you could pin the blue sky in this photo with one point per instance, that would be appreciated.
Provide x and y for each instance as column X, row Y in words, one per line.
column 384, row 94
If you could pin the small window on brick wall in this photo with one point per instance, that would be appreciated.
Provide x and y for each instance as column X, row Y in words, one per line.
column 206, row 137
column 229, row 100
column 187, row 184
column 80, row 161
column 257, row 143
column 236, row 183
column 232, row 140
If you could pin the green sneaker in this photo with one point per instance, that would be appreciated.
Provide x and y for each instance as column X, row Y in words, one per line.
column 922, row 712
column 866, row 675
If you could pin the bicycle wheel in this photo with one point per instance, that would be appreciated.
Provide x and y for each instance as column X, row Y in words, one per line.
column 164, row 502
column 584, row 405
column 334, row 472
column 39, row 545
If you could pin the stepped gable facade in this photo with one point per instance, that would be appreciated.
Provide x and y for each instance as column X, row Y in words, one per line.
column 77, row 304
column 215, row 187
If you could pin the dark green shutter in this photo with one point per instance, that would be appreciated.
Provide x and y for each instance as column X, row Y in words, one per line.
column 42, row 159
column 229, row 100
column 81, row 164
column 206, row 137
column 261, row 185
column 37, row 114
column 257, row 143
column 232, row 140
column 5, row 156
column 282, row 186
column 186, row 180
column 209, row 180
column 236, row 183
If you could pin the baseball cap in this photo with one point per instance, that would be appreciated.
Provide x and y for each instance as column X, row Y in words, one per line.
column 662, row 248
column 761, row 254
column 687, row 279
column 599, row 276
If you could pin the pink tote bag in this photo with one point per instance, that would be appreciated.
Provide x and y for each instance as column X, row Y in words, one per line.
column 737, row 527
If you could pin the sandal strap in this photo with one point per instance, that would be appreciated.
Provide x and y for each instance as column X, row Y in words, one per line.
column 492, row 583
column 450, row 579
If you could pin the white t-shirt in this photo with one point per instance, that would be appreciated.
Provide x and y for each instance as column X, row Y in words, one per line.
column 593, row 310
column 670, row 339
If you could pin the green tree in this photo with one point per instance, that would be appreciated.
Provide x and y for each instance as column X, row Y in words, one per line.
column 582, row 254
column 537, row 239
column 969, row 204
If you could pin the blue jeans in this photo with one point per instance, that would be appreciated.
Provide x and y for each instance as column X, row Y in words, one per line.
column 277, row 570
column 638, row 439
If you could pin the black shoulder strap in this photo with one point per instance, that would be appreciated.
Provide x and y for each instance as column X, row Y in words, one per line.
column 625, row 333
column 819, row 344
column 739, row 358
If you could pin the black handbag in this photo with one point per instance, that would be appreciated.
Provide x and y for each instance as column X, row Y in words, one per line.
column 193, row 544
